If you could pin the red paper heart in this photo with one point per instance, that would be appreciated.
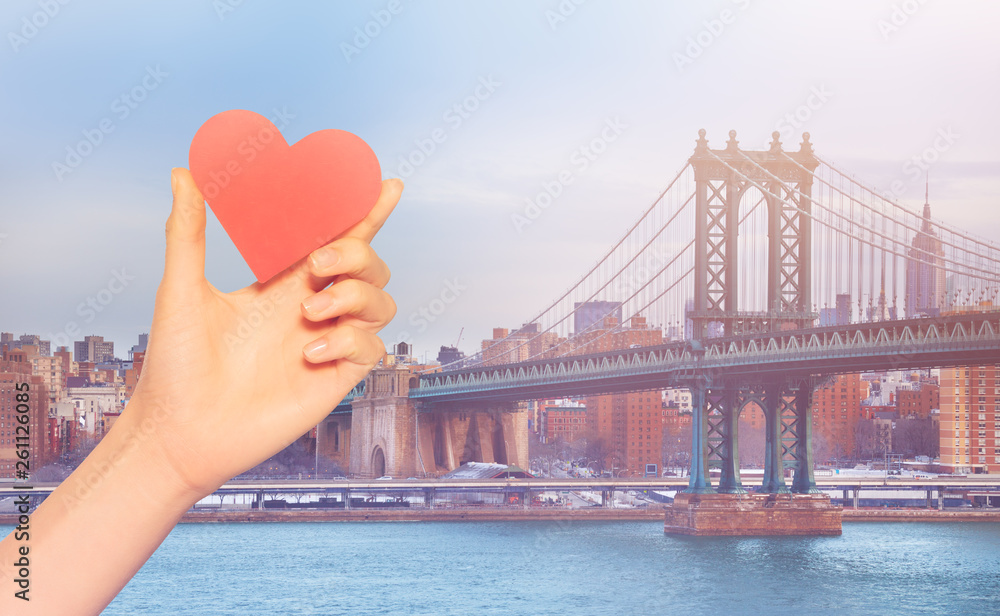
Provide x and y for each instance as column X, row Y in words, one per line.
column 278, row 202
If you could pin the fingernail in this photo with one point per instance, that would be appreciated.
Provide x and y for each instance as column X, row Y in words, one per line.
column 325, row 258
column 315, row 348
column 317, row 303
column 173, row 179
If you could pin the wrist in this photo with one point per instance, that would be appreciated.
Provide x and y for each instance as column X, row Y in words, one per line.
column 134, row 447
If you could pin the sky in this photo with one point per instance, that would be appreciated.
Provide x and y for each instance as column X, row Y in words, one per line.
column 875, row 83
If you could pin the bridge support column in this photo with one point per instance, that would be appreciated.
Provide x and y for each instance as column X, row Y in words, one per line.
column 700, row 483
column 729, row 478
column 345, row 495
column 804, row 482
column 774, row 464
column 429, row 498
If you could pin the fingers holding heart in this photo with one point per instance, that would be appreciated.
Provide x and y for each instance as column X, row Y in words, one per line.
column 364, row 305
column 348, row 256
column 346, row 342
column 355, row 299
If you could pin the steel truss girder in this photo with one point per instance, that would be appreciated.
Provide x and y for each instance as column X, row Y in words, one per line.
column 718, row 257
column 789, row 292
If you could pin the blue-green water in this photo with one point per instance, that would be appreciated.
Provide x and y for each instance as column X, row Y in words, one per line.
column 564, row 568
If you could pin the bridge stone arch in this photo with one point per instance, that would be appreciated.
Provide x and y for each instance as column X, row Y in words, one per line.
column 378, row 461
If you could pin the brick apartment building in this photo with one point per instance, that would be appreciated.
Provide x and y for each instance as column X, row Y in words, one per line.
column 969, row 421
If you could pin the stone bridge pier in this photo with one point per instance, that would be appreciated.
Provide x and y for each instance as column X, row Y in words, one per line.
column 774, row 508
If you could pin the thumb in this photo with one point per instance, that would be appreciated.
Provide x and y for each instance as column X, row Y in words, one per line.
column 185, row 260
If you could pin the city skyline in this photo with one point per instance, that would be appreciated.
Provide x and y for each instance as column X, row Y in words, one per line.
column 727, row 268
column 503, row 144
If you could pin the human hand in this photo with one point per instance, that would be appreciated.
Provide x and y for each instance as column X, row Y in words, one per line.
column 230, row 379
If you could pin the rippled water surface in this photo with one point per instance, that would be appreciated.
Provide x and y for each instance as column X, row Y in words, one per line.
column 564, row 568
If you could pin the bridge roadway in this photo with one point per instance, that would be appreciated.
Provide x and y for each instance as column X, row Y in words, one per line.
column 954, row 340
column 949, row 483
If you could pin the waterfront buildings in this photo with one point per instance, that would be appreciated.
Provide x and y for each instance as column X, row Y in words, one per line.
column 22, row 393
column 630, row 424
column 919, row 400
column 132, row 374
column 970, row 424
column 522, row 344
column 836, row 409
column 564, row 420
column 71, row 401
column 7, row 340
column 94, row 349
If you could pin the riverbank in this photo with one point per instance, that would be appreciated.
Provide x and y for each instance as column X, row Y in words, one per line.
column 493, row 514
column 920, row 515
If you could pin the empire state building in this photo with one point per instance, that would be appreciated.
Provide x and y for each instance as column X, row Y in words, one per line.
column 925, row 283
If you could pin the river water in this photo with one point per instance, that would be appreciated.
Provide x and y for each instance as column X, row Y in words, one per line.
column 564, row 568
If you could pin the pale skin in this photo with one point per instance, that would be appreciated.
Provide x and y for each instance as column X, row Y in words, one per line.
column 229, row 380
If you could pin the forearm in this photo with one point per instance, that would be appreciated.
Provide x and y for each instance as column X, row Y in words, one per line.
column 99, row 526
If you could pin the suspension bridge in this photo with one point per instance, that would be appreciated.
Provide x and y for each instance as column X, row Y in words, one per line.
column 753, row 277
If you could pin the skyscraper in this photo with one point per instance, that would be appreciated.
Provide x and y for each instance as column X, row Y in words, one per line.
column 925, row 274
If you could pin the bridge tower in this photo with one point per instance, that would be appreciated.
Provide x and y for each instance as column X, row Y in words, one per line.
column 722, row 179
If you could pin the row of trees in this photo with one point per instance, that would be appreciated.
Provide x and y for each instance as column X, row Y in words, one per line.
column 909, row 437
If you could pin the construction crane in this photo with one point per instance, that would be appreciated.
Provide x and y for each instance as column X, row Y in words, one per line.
column 461, row 331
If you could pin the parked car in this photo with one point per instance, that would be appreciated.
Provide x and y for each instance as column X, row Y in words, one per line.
column 383, row 478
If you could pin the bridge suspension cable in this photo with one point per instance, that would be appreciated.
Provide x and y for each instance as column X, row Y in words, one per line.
column 863, row 244
column 591, row 345
column 631, row 254
column 862, row 229
column 984, row 243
